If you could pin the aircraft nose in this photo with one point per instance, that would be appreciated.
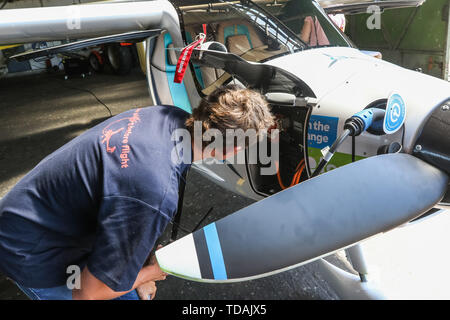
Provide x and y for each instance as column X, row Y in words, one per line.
column 433, row 143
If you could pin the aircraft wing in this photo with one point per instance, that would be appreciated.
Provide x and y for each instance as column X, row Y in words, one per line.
column 84, row 21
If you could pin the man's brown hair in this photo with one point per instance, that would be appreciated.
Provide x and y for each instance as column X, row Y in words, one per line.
column 232, row 107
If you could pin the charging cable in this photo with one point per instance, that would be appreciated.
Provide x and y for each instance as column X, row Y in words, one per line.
column 354, row 126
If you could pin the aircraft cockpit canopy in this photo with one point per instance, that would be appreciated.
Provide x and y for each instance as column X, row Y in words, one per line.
column 256, row 31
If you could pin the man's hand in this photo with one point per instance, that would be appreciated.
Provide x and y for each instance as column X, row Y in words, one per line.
column 147, row 291
column 94, row 289
column 156, row 273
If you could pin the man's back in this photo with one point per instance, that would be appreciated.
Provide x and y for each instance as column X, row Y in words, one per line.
column 102, row 200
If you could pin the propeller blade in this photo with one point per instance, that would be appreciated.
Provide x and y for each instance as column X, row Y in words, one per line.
column 313, row 219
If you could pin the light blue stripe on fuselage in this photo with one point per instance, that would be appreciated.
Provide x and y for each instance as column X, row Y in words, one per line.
column 215, row 252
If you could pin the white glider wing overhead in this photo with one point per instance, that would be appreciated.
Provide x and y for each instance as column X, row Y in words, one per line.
column 85, row 21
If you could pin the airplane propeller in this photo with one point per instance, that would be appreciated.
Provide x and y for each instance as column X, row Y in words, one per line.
column 313, row 219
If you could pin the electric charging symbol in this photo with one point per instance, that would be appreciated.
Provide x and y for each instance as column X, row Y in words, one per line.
column 395, row 114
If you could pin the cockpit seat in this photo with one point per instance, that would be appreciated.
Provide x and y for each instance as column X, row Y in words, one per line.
column 238, row 44
column 233, row 33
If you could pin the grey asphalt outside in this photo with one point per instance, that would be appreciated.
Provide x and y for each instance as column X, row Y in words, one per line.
column 40, row 113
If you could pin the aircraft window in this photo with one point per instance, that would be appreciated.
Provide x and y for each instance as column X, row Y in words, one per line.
column 308, row 20
column 270, row 28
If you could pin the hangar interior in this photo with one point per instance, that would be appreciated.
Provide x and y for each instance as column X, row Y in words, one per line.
column 415, row 38
column 43, row 107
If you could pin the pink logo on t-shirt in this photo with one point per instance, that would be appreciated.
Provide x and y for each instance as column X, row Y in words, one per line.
column 117, row 127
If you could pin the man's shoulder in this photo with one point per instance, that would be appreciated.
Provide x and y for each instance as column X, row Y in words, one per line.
column 170, row 111
column 166, row 109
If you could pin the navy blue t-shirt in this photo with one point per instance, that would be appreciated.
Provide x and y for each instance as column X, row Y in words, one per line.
column 101, row 200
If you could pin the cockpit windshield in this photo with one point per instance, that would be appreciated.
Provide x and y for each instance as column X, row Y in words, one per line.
column 260, row 30
column 309, row 22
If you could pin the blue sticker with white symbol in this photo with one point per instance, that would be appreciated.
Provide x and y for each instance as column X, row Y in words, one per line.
column 322, row 131
column 395, row 114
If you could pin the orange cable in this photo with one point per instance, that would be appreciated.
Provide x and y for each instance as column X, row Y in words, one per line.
column 295, row 178
column 300, row 174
